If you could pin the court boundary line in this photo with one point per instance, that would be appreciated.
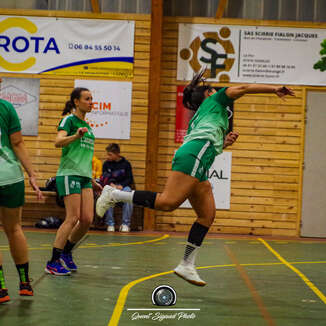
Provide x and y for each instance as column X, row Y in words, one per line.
column 118, row 308
column 305, row 279
column 250, row 285
column 165, row 236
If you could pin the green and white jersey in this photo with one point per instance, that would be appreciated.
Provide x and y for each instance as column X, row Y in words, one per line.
column 76, row 157
column 10, row 169
column 211, row 120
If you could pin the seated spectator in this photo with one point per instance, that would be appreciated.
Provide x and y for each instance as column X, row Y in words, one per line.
column 96, row 167
column 117, row 172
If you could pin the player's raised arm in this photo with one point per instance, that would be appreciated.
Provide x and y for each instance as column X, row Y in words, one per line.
column 236, row 92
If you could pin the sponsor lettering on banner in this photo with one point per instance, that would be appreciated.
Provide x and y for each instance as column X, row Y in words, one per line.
column 62, row 46
column 111, row 113
column 24, row 95
column 252, row 54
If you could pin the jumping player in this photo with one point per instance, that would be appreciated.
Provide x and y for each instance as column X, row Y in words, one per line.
column 205, row 139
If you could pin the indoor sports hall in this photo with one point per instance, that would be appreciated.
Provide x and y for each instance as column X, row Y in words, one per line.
column 92, row 89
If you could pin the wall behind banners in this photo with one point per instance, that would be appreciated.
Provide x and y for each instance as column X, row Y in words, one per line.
column 55, row 90
column 266, row 161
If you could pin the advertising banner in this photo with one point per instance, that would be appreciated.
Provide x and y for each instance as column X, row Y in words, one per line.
column 253, row 54
column 24, row 95
column 67, row 46
column 219, row 176
column 183, row 116
column 111, row 113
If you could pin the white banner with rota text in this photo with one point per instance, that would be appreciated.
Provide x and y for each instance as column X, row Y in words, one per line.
column 111, row 113
column 219, row 175
column 67, row 46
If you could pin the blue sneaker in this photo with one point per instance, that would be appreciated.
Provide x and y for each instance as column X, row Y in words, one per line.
column 66, row 260
column 55, row 268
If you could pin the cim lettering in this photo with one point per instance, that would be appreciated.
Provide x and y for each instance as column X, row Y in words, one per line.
column 102, row 106
column 22, row 44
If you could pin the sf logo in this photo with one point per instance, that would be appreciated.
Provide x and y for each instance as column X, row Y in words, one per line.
column 214, row 50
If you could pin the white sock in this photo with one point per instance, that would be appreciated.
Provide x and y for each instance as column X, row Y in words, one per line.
column 190, row 253
column 124, row 196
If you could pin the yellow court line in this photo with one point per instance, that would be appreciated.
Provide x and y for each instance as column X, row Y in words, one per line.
column 108, row 245
column 311, row 285
column 114, row 321
column 128, row 243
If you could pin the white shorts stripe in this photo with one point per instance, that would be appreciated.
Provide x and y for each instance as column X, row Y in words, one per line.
column 199, row 156
column 67, row 185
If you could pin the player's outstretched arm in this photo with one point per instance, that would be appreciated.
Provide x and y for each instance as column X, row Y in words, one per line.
column 236, row 92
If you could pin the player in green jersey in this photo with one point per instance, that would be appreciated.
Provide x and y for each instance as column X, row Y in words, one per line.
column 74, row 180
column 206, row 137
column 12, row 194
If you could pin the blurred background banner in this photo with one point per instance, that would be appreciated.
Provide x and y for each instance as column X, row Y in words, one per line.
column 111, row 114
column 24, row 95
column 61, row 46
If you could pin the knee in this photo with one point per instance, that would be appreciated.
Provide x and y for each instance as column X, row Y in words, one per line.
column 86, row 221
column 206, row 187
column 208, row 221
column 168, row 206
column 71, row 221
column 12, row 230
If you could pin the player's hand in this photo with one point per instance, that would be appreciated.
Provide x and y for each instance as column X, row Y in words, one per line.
column 96, row 186
column 32, row 181
column 230, row 138
column 283, row 91
column 81, row 132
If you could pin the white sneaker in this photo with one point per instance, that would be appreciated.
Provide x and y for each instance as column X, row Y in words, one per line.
column 105, row 201
column 110, row 228
column 188, row 272
column 124, row 228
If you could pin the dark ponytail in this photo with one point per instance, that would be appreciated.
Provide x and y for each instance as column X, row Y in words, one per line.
column 75, row 94
column 193, row 94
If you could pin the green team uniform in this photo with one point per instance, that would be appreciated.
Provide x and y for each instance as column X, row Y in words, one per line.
column 205, row 137
column 11, row 174
column 75, row 170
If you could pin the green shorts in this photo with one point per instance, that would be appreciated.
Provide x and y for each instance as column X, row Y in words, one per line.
column 13, row 195
column 71, row 184
column 195, row 158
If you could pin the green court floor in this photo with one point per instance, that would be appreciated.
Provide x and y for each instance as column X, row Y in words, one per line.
column 251, row 282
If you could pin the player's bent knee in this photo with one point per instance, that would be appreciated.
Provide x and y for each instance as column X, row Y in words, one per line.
column 12, row 230
column 168, row 207
column 86, row 221
column 71, row 220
